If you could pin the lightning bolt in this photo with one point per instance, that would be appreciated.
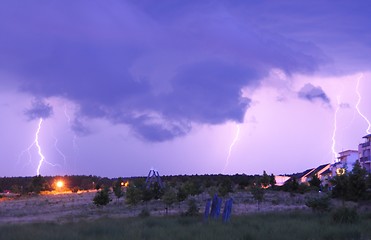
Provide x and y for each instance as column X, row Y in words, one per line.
column 36, row 142
column 359, row 101
column 69, row 123
column 58, row 150
column 335, row 130
column 231, row 146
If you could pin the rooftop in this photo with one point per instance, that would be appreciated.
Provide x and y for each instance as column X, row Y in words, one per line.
column 348, row 151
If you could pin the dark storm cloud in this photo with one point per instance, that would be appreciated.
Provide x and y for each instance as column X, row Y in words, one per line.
column 183, row 62
column 209, row 92
column 39, row 109
column 79, row 128
column 312, row 93
column 159, row 131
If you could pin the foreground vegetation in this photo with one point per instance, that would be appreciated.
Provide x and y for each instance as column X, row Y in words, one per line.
column 254, row 226
column 335, row 208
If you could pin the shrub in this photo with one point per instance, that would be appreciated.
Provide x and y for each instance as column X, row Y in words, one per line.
column 345, row 215
column 320, row 205
column 193, row 209
column 117, row 188
column 144, row 213
column 75, row 189
column 102, row 197
column 258, row 194
column 133, row 194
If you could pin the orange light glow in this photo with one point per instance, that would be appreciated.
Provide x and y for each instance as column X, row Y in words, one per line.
column 340, row 171
column 125, row 184
column 60, row 184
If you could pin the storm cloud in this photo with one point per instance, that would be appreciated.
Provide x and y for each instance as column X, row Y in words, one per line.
column 39, row 109
column 312, row 93
column 156, row 68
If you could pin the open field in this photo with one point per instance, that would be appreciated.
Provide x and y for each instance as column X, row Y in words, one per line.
column 252, row 226
column 72, row 207
column 74, row 216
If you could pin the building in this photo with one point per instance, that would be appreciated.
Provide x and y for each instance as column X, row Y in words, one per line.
column 302, row 177
column 326, row 177
column 281, row 179
column 345, row 162
column 364, row 153
column 318, row 172
column 306, row 176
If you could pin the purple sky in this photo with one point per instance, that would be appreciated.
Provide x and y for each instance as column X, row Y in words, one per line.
column 125, row 86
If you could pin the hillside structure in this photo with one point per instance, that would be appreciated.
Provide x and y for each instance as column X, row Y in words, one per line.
column 152, row 178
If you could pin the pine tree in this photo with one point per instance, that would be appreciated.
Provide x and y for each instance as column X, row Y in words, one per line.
column 357, row 183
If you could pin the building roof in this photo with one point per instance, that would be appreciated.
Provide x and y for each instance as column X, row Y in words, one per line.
column 328, row 171
column 348, row 151
column 319, row 168
column 302, row 174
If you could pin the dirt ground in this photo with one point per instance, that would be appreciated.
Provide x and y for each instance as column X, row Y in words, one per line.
column 71, row 207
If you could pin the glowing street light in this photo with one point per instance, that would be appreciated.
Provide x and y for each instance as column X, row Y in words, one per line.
column 60, row 184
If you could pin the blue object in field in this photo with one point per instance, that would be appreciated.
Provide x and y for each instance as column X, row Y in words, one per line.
column 218, row 207
column 207, row 209
column 214, row 204
column 227, row 210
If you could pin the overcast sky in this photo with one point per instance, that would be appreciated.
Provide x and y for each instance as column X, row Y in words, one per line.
column 126, row 86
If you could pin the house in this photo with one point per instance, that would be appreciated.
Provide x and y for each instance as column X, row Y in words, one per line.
column 326, row 177
column 364, row 153
column 306, row 176
column 281, row 179
column 345, row 162
column 302, row 177
column 318, row 172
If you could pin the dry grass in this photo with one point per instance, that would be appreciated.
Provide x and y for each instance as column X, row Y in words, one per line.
column 74, row 216
column 72, row 207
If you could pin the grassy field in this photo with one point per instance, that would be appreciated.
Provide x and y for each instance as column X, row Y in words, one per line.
column 254, row 226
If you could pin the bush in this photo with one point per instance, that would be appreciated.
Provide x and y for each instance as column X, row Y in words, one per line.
column 193, row 209
column 75, row 189
column 133, row 194
column 102, row 197
column 345, row 215
column 144, row 213
column 319, row 204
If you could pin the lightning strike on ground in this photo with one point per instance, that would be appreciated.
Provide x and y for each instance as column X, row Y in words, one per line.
column 42, row 158
column 335, row 129
column 231, row 146
column 359, row 101
column 36, row 144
